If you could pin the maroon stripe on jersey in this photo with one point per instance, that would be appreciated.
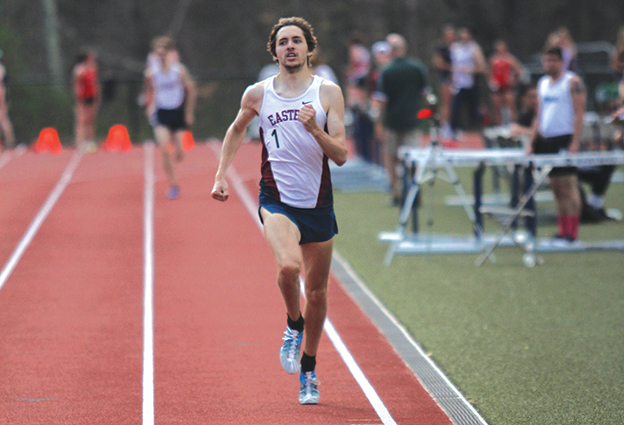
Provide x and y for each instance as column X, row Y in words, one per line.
column 267, row 182
column 325, row 197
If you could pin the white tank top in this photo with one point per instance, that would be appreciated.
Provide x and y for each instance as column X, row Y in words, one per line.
column 556, row 116
column 463, row 58
column 168, row 86
column 295, row 170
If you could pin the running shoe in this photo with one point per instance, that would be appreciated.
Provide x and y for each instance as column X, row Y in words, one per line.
column 173, row 192
column 308, row 392
column 563, row 238
column 289, row 353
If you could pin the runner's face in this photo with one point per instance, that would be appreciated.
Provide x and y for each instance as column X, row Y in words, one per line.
column 161, row 51
column 291, row 48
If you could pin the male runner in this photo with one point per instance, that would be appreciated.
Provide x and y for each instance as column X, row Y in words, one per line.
column 561, row 105
column 173, row 91
column 301, row 127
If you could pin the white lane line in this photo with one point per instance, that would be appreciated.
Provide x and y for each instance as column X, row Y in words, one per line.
column 358, row 374
column 330, row 330
column 9, row 155
column 39, row 218
column 5, row 158
column 148, row 285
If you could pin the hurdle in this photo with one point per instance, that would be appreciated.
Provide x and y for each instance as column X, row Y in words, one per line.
column 425, row 164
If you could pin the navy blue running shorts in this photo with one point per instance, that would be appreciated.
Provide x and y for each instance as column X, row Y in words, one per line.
column 314, row 224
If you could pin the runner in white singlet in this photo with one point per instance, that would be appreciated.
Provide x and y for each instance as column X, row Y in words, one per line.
column 294, row 167
column 170, row 86
column 301, row 121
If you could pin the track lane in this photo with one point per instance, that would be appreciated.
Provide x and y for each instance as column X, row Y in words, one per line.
column 70, row 314
column 25, row 183
column 73, row 346
column 396, row 385
column 219, row 318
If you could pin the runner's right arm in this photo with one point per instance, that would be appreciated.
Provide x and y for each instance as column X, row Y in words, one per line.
column 250, row 107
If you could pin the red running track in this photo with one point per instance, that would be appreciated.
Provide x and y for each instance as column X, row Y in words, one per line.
column 71, row 312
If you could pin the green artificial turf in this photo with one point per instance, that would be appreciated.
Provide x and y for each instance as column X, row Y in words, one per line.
column 526, row 346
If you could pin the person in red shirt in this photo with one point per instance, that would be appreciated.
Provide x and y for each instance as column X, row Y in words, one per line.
column 86, row 89
column 5, row 121
column 505, row 70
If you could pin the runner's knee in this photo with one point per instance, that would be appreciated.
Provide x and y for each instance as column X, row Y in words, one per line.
column 289, row 270
column 316, row 296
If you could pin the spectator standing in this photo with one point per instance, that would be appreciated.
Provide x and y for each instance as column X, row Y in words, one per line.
column 382, row 55
column 86, row 87
column 563, row 39
column 381, row 58
column 522, row 128
column 505, row 71
column 561, row 97
column 444, row 72
column 403, row 83
column 356, row 96
column 359, row 60
column 617, row 62
column 467, row 62
column 568, row 48
column 5, row 121
column 319, row 67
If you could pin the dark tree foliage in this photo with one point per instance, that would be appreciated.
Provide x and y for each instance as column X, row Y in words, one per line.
column 224, row 42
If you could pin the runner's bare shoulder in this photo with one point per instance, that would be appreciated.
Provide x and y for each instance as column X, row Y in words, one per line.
column 252, row 98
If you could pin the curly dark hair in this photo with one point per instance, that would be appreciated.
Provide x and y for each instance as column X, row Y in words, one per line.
column 308, row 33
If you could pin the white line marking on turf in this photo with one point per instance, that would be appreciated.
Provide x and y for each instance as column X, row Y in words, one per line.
column 39, row 218
column 148, row 286
column 329, row 328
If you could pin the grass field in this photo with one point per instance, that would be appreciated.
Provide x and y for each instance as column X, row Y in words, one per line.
column 526, row 346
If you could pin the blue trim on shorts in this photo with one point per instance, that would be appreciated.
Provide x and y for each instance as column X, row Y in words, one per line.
column 314, row 224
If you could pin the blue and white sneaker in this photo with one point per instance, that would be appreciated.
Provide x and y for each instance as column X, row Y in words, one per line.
column 308, row 392
column 289, row 353
column 173, row 192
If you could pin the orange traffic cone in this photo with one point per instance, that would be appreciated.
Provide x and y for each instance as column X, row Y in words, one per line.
column 48, row 141
column 188, row 143
column 118, row 139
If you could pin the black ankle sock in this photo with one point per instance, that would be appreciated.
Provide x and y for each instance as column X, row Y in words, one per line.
column 308, row 363
column 296, row 325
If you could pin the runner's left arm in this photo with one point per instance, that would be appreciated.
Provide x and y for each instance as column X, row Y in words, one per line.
column 333, row 142
column 191, row 96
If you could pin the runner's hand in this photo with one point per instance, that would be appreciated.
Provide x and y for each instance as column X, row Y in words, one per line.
column 190, row 119
column 220, row 190
column 307, row 116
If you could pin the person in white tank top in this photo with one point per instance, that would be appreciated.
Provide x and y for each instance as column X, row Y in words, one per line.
column 467, row 61
column 170, row 86
column 302, row 127
column 557, row 127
